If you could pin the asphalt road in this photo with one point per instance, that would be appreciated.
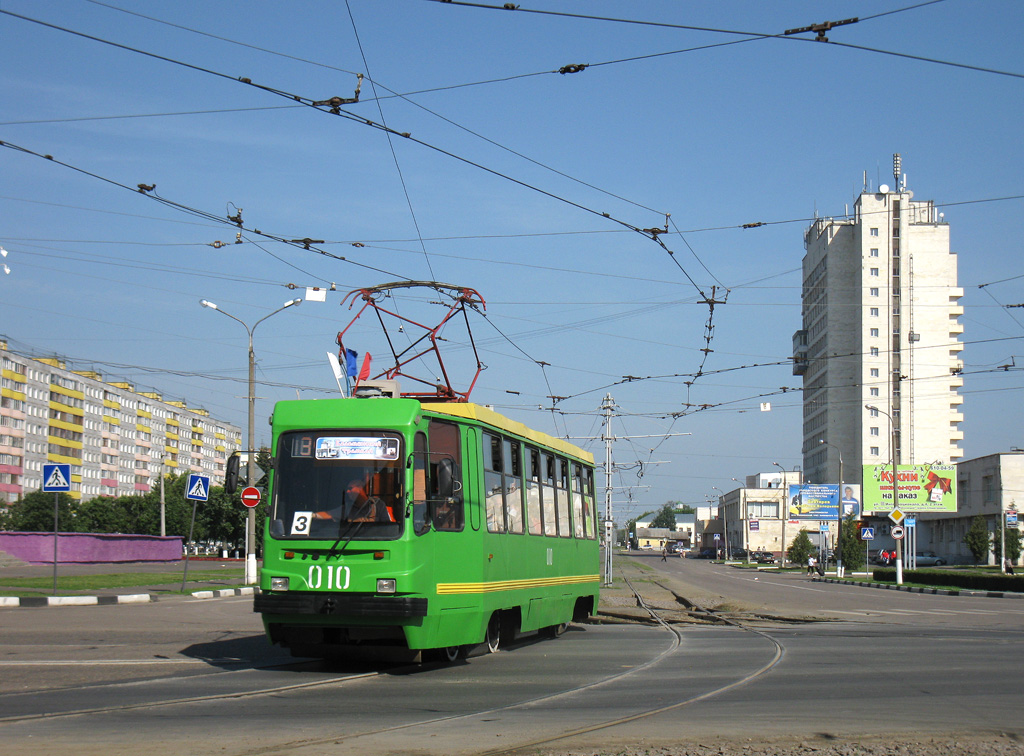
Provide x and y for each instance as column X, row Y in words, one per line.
column 188, row 676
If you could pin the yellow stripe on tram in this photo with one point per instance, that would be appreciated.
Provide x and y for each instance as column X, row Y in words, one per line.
column 447, row 589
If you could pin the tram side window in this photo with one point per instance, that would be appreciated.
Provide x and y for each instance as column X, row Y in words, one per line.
column 493, row 489
column 548, row 496
column 446, row 460
column 562, row 484
column 577, row 500
column 588, row 502
column 531, row 488
column 513, row 485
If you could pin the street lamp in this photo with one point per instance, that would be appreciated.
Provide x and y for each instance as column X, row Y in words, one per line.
column 895, row 488
column 839, row 512
column 725, row 525
column 785, row 510
column 250, row 525
column 744, row 515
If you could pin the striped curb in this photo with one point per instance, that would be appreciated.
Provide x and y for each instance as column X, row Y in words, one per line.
column 224, row 592
column 30, row 601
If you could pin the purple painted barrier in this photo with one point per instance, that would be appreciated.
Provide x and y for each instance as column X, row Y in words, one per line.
column 91, row 548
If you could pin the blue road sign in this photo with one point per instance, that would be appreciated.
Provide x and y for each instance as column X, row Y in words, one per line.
column 867, row 534
column 56, row 477
column 198, row 488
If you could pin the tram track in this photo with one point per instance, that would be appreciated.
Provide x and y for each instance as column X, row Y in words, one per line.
column 468, row 719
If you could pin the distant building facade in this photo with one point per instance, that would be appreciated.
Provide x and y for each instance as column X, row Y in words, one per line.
column 880, row 329
column 116, row 440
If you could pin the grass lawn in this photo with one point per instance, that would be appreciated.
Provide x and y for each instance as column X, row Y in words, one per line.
column 85, row 583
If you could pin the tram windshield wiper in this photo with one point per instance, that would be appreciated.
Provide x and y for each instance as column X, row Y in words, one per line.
column 357, row 525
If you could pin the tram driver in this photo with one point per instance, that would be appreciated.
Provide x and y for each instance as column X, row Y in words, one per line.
column 358, row 506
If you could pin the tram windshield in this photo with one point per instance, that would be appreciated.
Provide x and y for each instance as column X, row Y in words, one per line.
column 338, row 485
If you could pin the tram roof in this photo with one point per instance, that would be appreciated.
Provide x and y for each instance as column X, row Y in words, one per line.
column 488, row 416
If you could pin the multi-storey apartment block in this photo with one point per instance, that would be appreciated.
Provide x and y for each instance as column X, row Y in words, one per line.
column 116, row 439
column 879, row 349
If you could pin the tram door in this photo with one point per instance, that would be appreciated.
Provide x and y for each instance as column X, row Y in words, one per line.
column 450, row 542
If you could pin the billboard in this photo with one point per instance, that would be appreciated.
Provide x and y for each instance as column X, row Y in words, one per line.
column 823, row 501
column 920, row 488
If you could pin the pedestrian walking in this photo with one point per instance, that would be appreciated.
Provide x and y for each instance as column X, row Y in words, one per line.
column 664, row 553
column 810, row 565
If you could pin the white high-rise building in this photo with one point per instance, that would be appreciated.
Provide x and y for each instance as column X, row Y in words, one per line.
column 880, row 329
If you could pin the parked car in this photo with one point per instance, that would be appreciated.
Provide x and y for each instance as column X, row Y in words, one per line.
column 763, row 557
column 738, row 553
column 708, row 553
column 928, row 559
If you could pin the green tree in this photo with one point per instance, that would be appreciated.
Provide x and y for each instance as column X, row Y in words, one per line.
column 33, row 513
column 666, row 517
column 221, row 518
column 106, row 514
column 977, row 539
column 851, row 548
column 1013, row 544
column 801, row 548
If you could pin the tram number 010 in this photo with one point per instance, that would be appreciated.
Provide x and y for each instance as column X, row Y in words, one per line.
column 337, row 577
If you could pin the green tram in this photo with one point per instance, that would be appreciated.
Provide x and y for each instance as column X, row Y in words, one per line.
column 395, row 527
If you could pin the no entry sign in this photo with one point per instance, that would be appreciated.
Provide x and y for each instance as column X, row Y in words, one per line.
column 251, row 496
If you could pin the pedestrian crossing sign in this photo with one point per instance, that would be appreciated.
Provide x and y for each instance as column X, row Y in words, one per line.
column 198, row 488
column 56, row 477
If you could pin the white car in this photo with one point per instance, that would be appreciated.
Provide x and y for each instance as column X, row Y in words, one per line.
column 928, row 559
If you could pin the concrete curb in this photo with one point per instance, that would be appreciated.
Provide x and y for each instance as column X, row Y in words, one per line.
column 35, row 601
column 14, row 602
column 918, row 589
column 224, row 592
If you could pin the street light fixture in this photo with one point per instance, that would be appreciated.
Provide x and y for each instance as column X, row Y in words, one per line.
column 895, row 488
column 250, row 525
column 839, row 512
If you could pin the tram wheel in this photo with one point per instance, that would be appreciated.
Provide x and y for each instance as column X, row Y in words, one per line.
column 553, row 631
column 494, row 633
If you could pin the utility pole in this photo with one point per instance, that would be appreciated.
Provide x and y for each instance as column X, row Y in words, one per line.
column 609, row 521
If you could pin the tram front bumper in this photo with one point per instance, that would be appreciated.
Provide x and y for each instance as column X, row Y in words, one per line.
column 347, row 604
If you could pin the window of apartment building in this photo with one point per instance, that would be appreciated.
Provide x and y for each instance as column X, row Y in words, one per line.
column 874, row 271
column 874, row 331
column 873, row 312
column 874, row 232
column 874, row 291
column 874, row 351
column 874, row 452
column 874, row 390
column 874, row 251
column 874, row 431
column 874, row 372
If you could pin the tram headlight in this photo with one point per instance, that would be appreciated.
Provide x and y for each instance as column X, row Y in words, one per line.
column 279, row 584
column 385, row 585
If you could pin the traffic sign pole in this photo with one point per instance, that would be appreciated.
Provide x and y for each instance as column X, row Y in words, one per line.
column 56, row 478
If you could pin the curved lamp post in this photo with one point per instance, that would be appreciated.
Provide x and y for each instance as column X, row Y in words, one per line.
column 785, row 508
column 250, row 525
column 895, row 488
column 725, row 523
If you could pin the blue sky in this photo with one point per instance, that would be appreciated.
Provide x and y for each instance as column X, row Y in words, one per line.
column 759, row 130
